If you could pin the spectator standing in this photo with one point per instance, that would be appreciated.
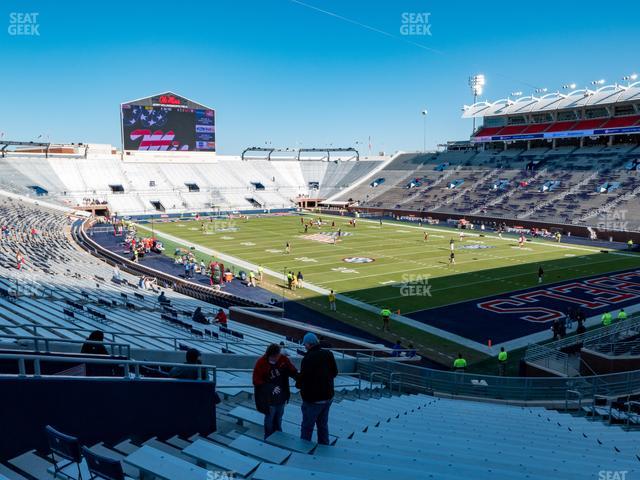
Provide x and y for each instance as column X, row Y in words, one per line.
column 460, row 364
column 332, row 301
column 622, row 315
column 317, row 373
column 502, row 362
column 386, row 314
column 271, row 375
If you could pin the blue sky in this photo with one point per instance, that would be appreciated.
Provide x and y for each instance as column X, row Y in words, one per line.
column 285, row 72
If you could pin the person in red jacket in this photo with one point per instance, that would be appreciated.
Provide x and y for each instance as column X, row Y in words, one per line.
column 271, row 387
column 221, row 318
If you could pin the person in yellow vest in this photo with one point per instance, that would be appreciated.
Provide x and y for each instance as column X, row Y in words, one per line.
column 332, row 301
column 606, row 319
column 502, row 362
column 252, row 279
column 630, row 244
column 386, row 314
column 622, row 315
column 260, row 273
column 459, row 364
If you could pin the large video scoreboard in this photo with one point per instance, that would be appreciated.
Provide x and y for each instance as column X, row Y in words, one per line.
column 167, row 122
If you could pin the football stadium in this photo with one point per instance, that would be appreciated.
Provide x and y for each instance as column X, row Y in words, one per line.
column 432, row 277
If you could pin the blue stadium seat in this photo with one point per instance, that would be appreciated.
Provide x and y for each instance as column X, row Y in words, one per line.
column 101, row 467
column 65, row 447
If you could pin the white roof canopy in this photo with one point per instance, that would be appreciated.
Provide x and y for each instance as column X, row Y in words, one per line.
column 606, row 95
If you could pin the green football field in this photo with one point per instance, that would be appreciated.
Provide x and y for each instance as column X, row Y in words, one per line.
column 404, row 272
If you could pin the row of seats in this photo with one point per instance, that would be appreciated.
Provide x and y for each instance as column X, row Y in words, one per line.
column 573, row 199
column 560, row 126
column 62, row 292
column 225, row 184
column 404, row 436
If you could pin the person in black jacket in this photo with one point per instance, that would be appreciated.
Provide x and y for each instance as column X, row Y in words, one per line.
column 187, row 372
column 92, row 347
column 199, row 317
column 317, row 372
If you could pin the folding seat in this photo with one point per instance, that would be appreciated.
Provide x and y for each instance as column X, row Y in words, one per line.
column 102, row 467
column 65, row 447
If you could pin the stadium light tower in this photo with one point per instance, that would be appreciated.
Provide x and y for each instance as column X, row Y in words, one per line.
column 477, row 83
column 598, row 82
column 569, row 86
column 424, row 129
column 630, row 78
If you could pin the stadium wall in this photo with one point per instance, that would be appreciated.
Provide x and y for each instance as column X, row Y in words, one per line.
column 101, row 410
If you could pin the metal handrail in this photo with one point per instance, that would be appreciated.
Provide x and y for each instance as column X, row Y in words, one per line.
column 519, row 389
column 47, row 342
column 592, row 335
column 577, row 394
column 175, row 341
column 127, row 364
column 617, row 348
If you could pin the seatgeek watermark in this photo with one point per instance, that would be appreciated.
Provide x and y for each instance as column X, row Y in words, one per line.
column 415, row 23
column 22, row 24
column 613, row 475
column 415, row 286
column 221, row 475
column 614, row 221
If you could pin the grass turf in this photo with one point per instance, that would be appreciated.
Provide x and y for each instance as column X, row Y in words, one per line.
column 407, row 274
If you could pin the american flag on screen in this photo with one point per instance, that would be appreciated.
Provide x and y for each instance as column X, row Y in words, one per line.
column 158, row 140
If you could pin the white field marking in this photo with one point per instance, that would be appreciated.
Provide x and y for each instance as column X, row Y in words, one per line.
column 344, row 270
column 247, row 244
column 490, row 279
column 443, row 266
column 306, row 259
column 273, row 250
column 226, row 238
column 495, row 237
column 388, row 282
column 418, row 266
